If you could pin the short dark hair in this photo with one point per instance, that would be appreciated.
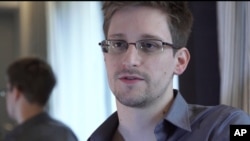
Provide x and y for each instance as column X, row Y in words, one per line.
column 180, row 18
column 34, row 77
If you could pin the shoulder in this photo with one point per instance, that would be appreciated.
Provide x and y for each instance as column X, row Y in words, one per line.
column 228, row 114
column 43, row 128
column 222, row 113
column 49, row 129
column 231, row 115
column 58, row 127
column 215, row 121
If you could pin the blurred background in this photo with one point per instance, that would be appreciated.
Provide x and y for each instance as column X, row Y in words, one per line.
column 66, row 34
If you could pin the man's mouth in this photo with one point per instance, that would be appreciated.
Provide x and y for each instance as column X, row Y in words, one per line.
column 130, row 79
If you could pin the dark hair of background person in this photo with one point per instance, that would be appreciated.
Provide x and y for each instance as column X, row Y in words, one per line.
column 32, row 76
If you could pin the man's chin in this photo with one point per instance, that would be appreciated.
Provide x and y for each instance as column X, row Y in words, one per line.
column 131, row 101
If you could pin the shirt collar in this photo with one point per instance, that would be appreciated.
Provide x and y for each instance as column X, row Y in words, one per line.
column 178, row 113
column 106, row 130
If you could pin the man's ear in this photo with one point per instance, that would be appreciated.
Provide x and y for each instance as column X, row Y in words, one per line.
column 16, row 92
column 182, row 57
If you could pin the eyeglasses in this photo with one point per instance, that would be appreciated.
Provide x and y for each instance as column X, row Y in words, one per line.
column 147, row 47
column 3, row 92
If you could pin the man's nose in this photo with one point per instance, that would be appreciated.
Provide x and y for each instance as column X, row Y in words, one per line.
column 131, row 57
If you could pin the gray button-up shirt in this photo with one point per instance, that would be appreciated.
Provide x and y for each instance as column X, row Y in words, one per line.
column 185, row 122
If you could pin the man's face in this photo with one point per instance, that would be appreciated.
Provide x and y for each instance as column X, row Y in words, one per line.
column 10, row 101
column 138, row 80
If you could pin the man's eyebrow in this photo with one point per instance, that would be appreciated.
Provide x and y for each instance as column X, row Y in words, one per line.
column 148, row 36
column 144, row 36
column 117, row 35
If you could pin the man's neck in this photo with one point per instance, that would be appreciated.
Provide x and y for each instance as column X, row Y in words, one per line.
column 27, row 111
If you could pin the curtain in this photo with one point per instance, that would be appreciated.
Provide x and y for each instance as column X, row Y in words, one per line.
column 234, row 52
column 81, row 98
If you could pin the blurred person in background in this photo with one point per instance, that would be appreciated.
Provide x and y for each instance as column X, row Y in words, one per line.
column 30, row 82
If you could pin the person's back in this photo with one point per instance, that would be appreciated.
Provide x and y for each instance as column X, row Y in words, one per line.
column 30, row 82
column 41, row 128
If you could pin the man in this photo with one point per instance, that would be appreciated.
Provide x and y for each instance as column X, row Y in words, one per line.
column 144, row 49
column 30, row 82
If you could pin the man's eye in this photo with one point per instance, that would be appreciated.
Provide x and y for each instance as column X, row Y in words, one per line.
column 119, row 45
column 150, row 46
